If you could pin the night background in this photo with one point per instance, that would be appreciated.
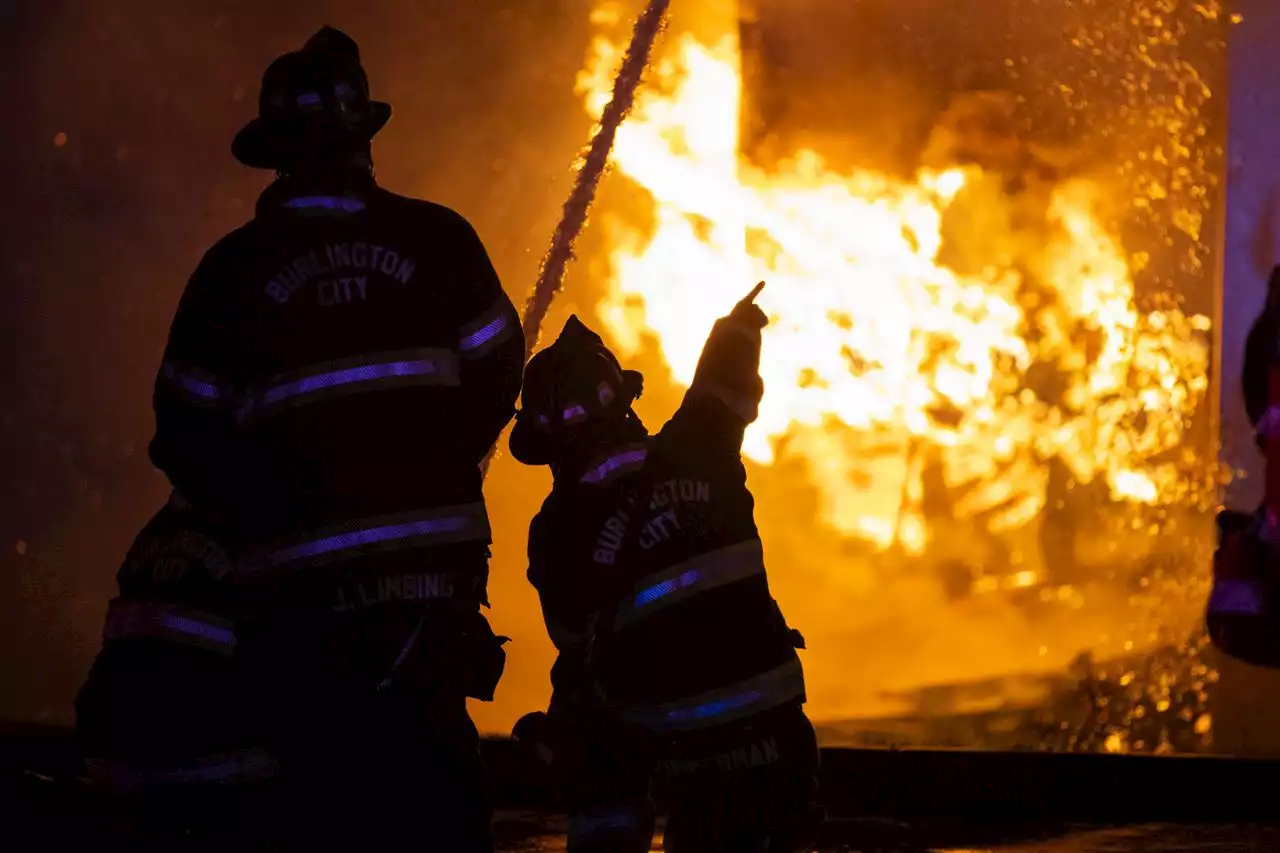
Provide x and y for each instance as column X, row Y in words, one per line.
column 118, row 133
column 119, row 120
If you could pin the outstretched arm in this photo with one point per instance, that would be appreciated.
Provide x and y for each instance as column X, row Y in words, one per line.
column 727, row 389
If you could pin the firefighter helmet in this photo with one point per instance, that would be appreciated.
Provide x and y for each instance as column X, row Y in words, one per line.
column 574, row 382
column 316, row 96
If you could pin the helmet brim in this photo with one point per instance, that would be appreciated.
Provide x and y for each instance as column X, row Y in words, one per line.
column 529, row 445
column 266, row 144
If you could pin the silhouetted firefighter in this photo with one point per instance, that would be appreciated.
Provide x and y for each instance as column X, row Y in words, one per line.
column 165, row 717
column 1261, row 349
column 673, row 656
column 1243, row 613
column 336, row 372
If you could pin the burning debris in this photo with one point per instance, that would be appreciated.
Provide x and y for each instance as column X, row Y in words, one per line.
column 969, row 359
column 1029, row 351
column 1155, row 703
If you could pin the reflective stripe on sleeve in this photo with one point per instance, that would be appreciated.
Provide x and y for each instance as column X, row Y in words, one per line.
column 482, row 335
column 122, row 777
column 681, row 582
column 737, row 701
column 326, row 204
column 166, row 621
column 595, row 826
column 439, row 525
column 620, row 462
column 384, row 371
column 197, row 386
column 1237, row 598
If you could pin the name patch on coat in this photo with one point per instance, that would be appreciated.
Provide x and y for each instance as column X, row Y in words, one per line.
column 680, row 492
column 759, row 754
column 406, row 587
column 609, row 542
column 337, row 257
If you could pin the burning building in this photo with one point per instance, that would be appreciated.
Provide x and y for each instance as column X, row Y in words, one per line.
column 987, row 451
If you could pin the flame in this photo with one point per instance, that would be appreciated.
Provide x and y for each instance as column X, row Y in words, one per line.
column 881, row 357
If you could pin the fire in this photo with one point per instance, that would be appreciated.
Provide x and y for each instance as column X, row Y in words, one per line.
column 883, row 355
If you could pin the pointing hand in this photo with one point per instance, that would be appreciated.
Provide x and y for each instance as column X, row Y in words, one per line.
column 748, row 312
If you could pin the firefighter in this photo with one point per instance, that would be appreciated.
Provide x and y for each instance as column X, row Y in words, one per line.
column 674, row 660
column 1260, row 355
column 335, row 374
column 163, row 717
column 1242, row 605
column 1260, row 381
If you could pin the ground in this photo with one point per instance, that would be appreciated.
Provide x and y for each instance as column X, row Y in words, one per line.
column 912, row 801
column 524, row 832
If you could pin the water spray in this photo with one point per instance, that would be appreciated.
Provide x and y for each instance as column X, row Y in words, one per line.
column 574, row 216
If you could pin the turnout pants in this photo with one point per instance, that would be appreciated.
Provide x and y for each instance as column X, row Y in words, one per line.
column 746, row 787
column 190, row 819
column 375, row 760
column 1243, row 608
column 390, row 771
column 172, row 758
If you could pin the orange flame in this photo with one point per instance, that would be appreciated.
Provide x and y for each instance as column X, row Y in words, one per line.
column 880, row 353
